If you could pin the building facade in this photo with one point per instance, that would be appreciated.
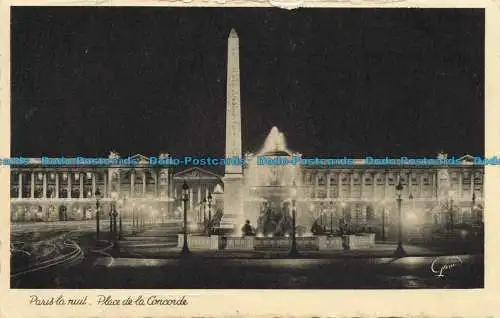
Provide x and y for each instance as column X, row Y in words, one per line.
column 359, row 195
column 41, row 193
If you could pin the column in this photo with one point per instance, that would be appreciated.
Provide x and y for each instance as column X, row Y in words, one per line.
column 69, row 184
column 57, row 184
column 374, row 184
column 460, row 180
column 351, row 184
column 105, row 185
column 156, row 184
column 20, row 188
column 471, row 183
column 144, row 183
column 199, row 194
column 32, row 190
column 316, row 181
column 339, row 185
column 132, row 183
column 328, row 186
column 361, row 184
column 386, row 183
column 44, row 189
column 81, row 176
column 190, row 199
column 409, row 183
column 94, row 185
column 420, row 182
column 433, row 185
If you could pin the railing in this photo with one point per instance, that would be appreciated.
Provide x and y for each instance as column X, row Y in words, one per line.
column 240, row 243
column 304, row 243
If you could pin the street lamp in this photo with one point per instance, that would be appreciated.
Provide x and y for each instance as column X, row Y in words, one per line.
column 115, row 214
column 400, row 252
column 293, row 250
column 343, row 221
column 331, row 217
column 185, row 198
column 450, row 195
column 472, row 212
column 97, row 196
column 120, row 234
column 322, row 217
column 141, row 217
column 112, row 218
column 132, row 210
column 383, row 220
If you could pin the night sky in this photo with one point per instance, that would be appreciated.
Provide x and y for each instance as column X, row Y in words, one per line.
column 335, row 81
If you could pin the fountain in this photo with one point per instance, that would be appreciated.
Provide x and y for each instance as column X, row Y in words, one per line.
column 268, row 187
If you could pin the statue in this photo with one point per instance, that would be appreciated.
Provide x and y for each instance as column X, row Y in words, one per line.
column 276, row 222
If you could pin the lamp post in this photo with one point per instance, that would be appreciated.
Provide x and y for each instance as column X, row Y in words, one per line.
column 120, row 233
column 293, row 249
column 342, row 221
column 209, row 199
column 472, row 212
column 98, row 197
column 331, row 217
column 115, row 214
column 410, row 197
column 133, row 217
column 141, row 217
column 400, row 252
column 450, row 194
column 185, row 198
column 112, row 218
column 383, row 221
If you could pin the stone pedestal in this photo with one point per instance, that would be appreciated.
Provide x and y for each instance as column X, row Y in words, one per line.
column 233, row 218
column 360, row 241
column 329, row 243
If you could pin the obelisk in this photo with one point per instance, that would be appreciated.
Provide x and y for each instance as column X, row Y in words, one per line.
column 233, row 217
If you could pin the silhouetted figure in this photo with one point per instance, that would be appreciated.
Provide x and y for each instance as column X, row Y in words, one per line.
column 247, row 229
column 316, row 229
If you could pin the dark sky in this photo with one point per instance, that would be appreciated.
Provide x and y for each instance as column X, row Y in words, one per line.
column 335, row 81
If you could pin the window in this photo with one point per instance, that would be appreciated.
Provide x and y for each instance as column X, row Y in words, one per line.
column 356, row 180
column 321, row 180
column 163, row 178
column 307, row 179
column 333, row 192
